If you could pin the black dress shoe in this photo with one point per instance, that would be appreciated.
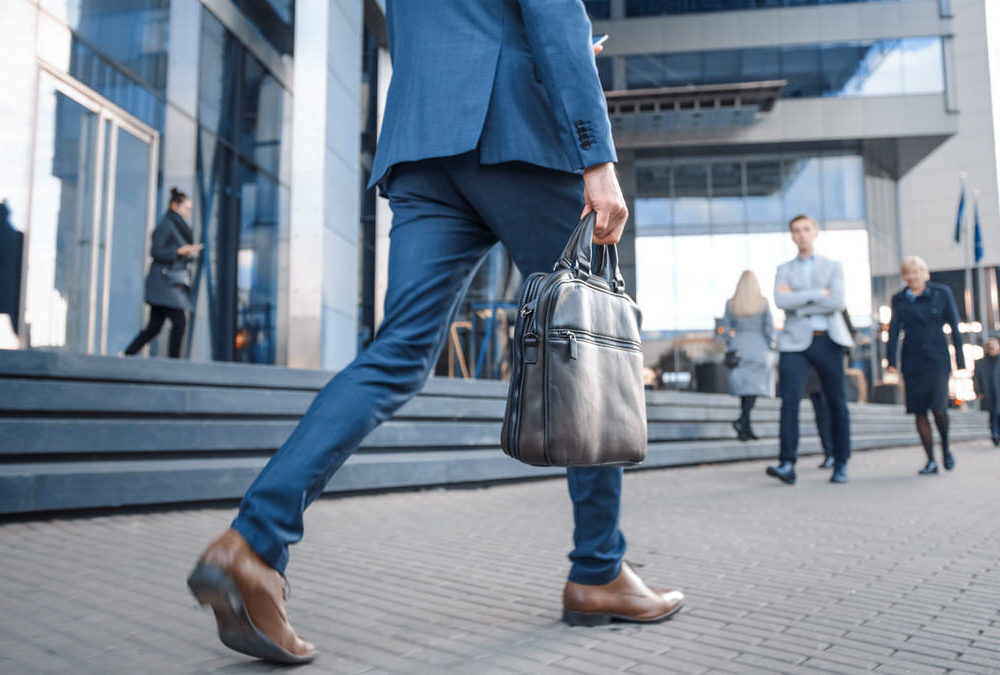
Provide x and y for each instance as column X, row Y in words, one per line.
column 996, row 440
column 827, row 463
column 784, row 471
column 741, row 431
column 931, row 467
column 750, row 433
column 839, row 474
column 949, row 461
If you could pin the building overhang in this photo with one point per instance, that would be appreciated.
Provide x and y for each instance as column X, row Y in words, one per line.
column 903, row 128
column 682, row 109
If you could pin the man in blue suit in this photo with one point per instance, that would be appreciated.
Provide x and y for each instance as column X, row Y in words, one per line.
column 495, row 129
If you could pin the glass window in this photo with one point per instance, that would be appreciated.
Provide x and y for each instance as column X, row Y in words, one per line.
column 722, row 66
column 262, row 104
column 760, row 64
column 219, row 78
column 923, row 66
column 275, row 19
column 605, row 71
column 691, row 194
column 880, row 72
column 877, row 68
column 598, row 9
column 727, row 192
column 131, row 33
column 843, row 188
column 653, row 214
column 800, row 67
column 660, row 7
column 802, row 188
column 257, row 268
column 764, row 191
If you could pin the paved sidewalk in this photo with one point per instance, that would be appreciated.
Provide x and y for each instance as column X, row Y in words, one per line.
column 892, row 573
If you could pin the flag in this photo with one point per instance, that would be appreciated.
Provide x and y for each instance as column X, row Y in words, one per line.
column 961, row 212
column 978, row 234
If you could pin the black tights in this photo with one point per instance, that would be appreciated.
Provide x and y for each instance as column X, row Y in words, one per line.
column 927, row 437
column 746, row 405
column 157, row 315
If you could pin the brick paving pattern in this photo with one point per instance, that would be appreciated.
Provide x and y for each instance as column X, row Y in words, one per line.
column 893, row 573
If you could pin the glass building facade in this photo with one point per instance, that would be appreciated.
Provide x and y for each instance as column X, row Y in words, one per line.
column 841, row 70
column 701, row 221
column 601, row 9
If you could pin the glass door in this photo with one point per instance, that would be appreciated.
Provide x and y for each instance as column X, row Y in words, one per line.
column 91, row 213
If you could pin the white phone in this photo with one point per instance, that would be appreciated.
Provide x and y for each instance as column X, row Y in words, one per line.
column 599, row 39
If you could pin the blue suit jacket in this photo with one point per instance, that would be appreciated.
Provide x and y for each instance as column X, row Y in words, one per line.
column 925, row 346
column 515, row 78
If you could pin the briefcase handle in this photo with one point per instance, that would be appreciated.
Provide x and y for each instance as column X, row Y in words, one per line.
column 577, row 255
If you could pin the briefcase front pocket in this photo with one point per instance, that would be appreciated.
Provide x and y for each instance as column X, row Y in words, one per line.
column 596, row 373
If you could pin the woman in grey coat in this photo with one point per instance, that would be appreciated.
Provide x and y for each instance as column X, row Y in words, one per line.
column 168, row 284
column 749, row 333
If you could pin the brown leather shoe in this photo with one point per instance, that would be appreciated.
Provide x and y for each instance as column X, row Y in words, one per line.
column 627, row 598
column 247, row 596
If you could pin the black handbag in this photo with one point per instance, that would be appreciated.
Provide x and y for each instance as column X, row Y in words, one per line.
column 576, row 392
column 177, row 276
column 731, row 359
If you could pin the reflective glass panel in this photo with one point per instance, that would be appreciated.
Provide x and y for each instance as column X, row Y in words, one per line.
column 257, row 268
column 275, row 19
column 57, row 306
column 843, row 188
column 923, row 66
column 764, row 191
column 727, row 192
column 127, row 242
column 802, row 188
column 658, row 7
column 691, row 194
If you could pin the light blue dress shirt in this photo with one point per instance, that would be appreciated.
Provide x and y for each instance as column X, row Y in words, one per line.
column 808, row 265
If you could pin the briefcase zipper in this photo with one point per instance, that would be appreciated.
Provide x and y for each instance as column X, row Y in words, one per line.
column 528, row 303
column 573, row 336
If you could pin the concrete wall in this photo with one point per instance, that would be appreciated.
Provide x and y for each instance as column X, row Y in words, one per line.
column 929, row 192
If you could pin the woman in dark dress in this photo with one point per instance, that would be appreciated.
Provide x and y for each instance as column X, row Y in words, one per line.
column 168, row 284
column 920, row 311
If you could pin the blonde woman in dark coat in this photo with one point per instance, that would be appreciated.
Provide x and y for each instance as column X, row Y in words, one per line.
column 168, row 284
column 749, row 332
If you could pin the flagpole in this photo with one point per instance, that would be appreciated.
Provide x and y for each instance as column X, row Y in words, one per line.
column 979, row 270
column 968, row 260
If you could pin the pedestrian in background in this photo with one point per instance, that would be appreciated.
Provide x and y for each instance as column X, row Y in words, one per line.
column 920, row 311
column 168, row 283
column 749, row 332
column 986, row 380
column 810, row 288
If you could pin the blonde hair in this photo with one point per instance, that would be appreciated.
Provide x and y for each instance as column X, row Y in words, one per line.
column 747, row 298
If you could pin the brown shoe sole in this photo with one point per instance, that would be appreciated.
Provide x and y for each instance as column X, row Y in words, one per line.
column 588, row 619
column 213, row 587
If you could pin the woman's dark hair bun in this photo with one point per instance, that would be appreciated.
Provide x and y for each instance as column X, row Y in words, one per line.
column 176, row 196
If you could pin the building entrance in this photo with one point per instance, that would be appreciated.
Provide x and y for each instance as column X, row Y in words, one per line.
column 91, row 211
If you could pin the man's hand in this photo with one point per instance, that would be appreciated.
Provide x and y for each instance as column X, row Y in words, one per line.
column 602, row 194
column 598, row 49
column 190, row 249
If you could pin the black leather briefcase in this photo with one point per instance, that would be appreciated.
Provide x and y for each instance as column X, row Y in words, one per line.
column 576, row 392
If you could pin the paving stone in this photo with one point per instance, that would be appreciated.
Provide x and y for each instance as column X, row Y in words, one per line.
column 891, row 573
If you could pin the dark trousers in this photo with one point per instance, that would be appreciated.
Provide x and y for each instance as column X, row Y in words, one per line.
column 995, row 422
column 821, row 411
column 827, row 357
column 157, row 315
column 447, row 213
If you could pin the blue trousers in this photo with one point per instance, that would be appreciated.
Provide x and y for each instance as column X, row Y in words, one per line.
column 447, row 213
column 995, row 422
column 827, row 357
